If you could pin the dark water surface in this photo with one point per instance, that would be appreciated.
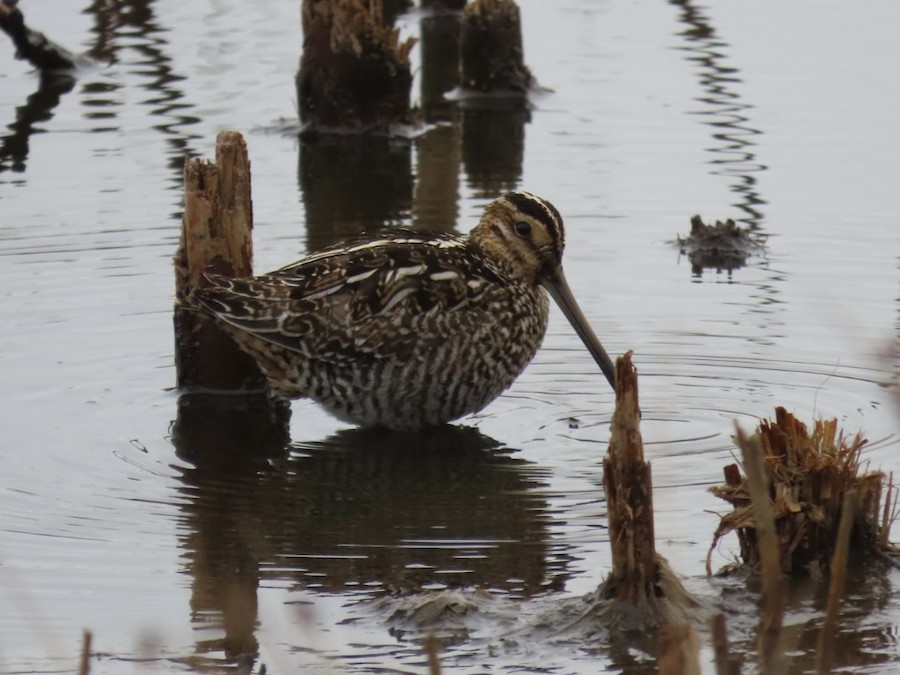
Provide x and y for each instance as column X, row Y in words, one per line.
column 184, row 534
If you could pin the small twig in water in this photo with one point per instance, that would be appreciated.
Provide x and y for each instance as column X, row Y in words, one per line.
column 432, row 647
column 84, row 664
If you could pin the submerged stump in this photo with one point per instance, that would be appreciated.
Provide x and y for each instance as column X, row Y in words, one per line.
column 355, row 72
column 215, row 237
column 722, row 246
column 492, row 57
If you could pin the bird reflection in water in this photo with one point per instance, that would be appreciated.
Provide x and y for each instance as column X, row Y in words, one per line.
column 395, row 512
column 38, row 108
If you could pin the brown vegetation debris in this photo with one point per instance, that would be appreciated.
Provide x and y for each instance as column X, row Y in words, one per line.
column 722, row 245
column 808, row 475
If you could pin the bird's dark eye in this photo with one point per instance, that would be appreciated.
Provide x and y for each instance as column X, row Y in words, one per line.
column 523, row 229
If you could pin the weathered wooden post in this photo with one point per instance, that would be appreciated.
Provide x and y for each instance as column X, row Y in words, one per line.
column 354, row 73
column 492, row 54
column 640, row 578
column 215, row 236
column 628, row 487
column 440, row 43
column 492, row 64
column 641, row 593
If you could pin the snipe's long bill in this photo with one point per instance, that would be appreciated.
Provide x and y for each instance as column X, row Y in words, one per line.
column 407, row 329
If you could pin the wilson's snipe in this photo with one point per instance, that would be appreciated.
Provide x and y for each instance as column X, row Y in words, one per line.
column 407, row 329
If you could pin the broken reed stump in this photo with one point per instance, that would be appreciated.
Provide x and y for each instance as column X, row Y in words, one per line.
column 771, row 654
column 808, row 475
column 355, row 72
column 640, row 578
column 825, row 643
column 432, row 648
column 84, row 662
column 32, row 46
column 215, row 237
column 628, row 486
column 492, row 57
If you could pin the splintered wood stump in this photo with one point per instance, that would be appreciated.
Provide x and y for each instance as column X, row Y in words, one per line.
column 354, row 73
column 807, row 473
column 641, row 594
column 492, row 57
column 640, row 578
column 215, row 237
column 628, row 485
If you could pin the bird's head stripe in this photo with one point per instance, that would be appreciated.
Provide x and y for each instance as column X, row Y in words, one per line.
column 537, row 208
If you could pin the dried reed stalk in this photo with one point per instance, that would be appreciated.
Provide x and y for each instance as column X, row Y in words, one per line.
column 84, row 662
column 769, row 638
column 432, row 647
column 825, row 647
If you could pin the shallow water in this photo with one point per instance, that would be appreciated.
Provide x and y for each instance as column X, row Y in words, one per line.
column 183, row 535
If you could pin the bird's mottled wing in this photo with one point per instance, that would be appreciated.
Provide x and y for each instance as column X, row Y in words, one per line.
column 375, row 298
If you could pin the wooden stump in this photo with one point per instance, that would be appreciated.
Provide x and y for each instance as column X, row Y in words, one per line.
column 354, row 73
column 439, row 49
column 215, row 236
column 807, row 472
column 640, row 578
column 641, row 597
column 628, row 486
column 804, row 497
column 492, row 54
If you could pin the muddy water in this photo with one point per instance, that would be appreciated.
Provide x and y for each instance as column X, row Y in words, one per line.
column 184, row 532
